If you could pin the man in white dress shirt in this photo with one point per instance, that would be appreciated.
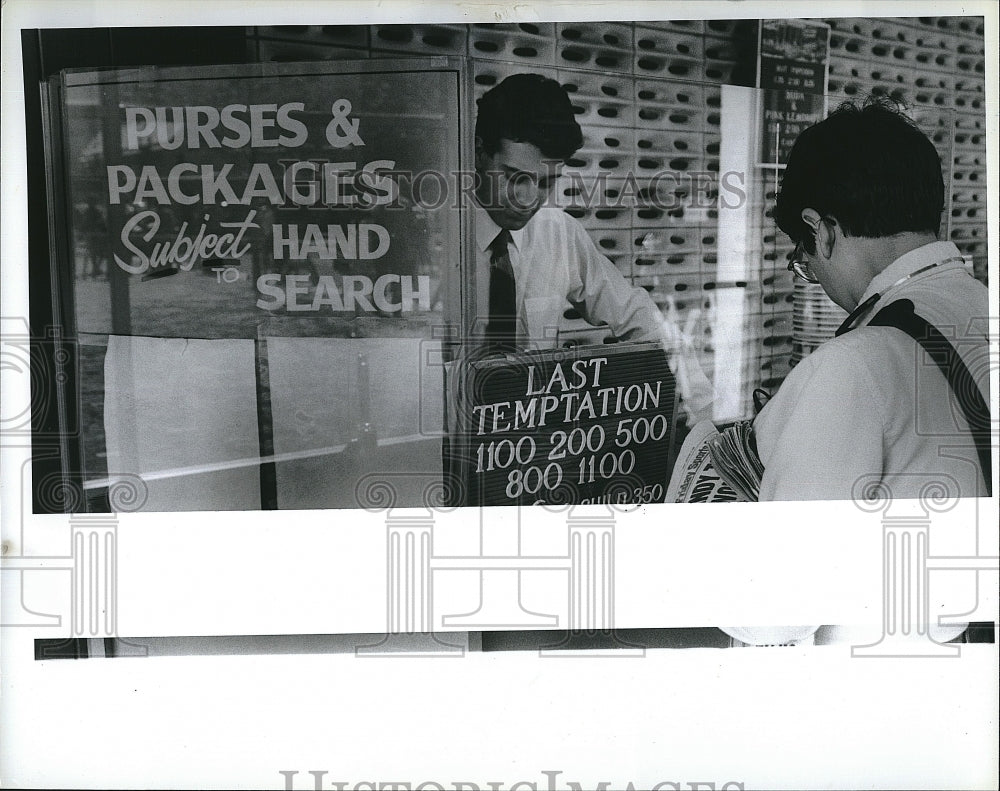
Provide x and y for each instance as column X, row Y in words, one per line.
column 870, row 415
column 862, row 197
column 525, row 132
column 540, row 256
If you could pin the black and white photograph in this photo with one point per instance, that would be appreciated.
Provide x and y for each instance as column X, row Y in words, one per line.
column 274, row 283
column 630, row 372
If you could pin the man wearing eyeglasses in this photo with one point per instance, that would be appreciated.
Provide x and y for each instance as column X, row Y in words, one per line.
column 899, row 398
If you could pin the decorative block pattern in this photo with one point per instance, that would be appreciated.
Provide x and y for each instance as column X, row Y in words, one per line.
column 607, row 47
column 420, row 39
column 936, row 66
column 647, row 95
column 525, row 44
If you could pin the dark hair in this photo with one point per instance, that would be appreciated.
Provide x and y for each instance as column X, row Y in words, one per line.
column 529, row 108
column 870, row 167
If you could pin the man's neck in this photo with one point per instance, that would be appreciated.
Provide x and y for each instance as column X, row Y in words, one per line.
column 877, row 254
column 893, row 247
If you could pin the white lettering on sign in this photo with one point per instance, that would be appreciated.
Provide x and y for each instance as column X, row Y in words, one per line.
column 235, row 126
column 363, row 241
column 385, row 294
column 184, row 249
column 536, row 412
column 557, row 381
column 148, row 186
column 588, row 424
column 306, row 183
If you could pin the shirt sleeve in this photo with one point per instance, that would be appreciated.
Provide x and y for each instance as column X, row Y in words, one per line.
column 604, row 296
column 823, row 430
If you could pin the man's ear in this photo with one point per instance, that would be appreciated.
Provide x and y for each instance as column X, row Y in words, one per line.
column 811, row 217
column 826, row 236
column 823, row 228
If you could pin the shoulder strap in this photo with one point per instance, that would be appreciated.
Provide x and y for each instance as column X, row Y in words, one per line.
column 900, row 314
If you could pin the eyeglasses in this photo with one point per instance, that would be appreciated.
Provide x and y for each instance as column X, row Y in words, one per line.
column 798, row 266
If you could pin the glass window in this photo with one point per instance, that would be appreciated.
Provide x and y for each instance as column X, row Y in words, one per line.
column 255, row 262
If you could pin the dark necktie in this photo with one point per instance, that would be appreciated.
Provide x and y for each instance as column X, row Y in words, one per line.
column 501, row 331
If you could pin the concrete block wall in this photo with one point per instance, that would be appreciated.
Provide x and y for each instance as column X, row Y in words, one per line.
column 647, row 95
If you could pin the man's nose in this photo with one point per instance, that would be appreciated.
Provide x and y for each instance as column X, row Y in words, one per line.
column 526, row 193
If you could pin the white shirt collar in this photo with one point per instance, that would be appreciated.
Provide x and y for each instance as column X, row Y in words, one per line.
column 927, row 254
column 487, row 230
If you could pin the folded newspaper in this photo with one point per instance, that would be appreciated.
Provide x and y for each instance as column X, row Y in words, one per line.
column 715, row 466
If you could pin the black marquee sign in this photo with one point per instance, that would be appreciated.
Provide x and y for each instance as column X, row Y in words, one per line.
column 592, row 424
